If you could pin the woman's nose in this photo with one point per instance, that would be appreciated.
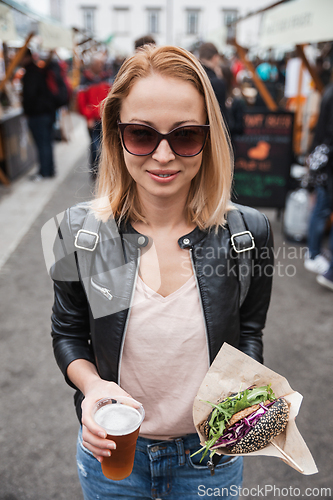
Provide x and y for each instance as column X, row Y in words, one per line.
column 163, row 153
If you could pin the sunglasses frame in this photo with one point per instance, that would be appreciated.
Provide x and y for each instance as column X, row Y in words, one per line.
column 122, row 127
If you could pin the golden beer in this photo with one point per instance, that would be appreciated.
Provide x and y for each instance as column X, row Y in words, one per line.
column 122, row 424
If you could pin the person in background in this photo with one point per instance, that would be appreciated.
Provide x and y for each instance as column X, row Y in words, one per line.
column 236, row 66
column 235, row 103
column 144, row 40
column 210, row 59
column 38, row 106
column 116, row 65
column 323, row 69
column 94, row 87
column 323, row 208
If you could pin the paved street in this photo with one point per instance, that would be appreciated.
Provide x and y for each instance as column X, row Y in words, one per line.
column 38, row 425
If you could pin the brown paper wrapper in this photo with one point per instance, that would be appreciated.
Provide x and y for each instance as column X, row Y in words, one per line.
column 233, row 371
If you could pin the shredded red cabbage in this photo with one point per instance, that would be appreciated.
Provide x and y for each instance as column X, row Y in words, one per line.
column 242, row 428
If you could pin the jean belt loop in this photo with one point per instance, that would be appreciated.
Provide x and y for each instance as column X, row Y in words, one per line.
column 180, row 451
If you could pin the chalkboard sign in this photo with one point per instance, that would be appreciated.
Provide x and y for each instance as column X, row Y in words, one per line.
column 263, row 156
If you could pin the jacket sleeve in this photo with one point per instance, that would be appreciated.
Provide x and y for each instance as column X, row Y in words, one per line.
column 70, row 316
column 254, row 309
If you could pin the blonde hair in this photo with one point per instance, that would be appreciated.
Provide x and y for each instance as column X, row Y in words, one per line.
column 209, row 195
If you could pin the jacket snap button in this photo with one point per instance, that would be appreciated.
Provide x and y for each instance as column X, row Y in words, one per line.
column 186, row 241
column 141, row 240
column 154, row 449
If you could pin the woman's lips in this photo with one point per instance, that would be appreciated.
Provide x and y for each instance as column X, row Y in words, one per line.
column 162, row 176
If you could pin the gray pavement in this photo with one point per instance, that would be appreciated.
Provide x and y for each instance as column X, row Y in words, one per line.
column 38, row 425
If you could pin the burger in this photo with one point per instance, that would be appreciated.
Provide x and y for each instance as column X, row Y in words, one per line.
column 244, row 422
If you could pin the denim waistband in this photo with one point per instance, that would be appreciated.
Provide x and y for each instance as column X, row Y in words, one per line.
column 189, row 441
column 172, row 447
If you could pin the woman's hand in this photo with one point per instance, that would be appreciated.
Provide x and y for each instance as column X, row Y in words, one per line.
column 94, row 436
column 85, row 377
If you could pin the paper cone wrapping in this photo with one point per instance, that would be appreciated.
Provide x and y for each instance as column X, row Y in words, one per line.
column 233, row 371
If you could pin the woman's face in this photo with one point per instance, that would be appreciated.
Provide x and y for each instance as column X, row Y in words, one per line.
column 163, row 103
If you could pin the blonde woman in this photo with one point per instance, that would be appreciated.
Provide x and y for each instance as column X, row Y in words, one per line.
column 167, row 292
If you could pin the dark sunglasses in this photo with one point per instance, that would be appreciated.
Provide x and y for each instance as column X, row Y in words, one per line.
column 143, row 140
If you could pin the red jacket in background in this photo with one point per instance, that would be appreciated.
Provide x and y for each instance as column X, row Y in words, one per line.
column 90, row 96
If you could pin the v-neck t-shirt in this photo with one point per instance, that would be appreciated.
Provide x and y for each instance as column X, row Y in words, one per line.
column 165, row 358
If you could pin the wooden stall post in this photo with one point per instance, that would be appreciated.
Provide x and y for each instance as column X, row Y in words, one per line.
column 298, row 112
column 268, row 99
column 76, row 71
column 314, row 75
column 299, row 126
column 18, row 56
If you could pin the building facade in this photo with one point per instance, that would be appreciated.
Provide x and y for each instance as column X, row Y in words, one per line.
column 177, row 22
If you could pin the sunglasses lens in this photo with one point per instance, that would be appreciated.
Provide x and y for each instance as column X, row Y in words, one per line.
column 139, row 139
column 188, row 141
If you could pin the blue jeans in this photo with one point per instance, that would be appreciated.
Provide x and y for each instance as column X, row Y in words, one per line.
column 321, row 212
column 41, row 127
column 162, row 469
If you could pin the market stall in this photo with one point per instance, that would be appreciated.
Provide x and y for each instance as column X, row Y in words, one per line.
column 17, row 150
column 298, row 24
column 263, row 180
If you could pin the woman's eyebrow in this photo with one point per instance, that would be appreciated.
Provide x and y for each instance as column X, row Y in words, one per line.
column 178, row 124
column 174, row 125
column 139, row 120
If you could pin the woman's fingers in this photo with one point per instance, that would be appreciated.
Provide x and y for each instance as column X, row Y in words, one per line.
column 89, row 423
column 98, row 446
column 97, row 442
column 97, row 452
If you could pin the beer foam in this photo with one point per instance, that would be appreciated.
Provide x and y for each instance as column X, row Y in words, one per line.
column 118, row 419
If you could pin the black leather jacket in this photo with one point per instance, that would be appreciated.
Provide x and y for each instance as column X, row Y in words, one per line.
column 95, row 329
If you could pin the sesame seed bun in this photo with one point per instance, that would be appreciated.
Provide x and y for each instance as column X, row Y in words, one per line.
column 271, row 424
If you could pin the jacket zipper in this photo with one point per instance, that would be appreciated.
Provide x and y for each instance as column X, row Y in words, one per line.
column 128, row 314
column 201, row 304
column 104, row 291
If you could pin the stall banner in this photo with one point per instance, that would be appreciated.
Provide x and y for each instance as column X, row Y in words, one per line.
column 54, row 36
column 7, row 25
column 263, row 157
column 297, row 22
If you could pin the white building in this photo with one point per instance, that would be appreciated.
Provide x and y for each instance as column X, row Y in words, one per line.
column 175, row 22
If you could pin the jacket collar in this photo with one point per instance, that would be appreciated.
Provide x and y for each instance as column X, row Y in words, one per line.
column 132, row 236
column 140, row 240
column 192, row 238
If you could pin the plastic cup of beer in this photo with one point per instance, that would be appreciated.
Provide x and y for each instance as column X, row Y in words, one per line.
column 121, row 418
